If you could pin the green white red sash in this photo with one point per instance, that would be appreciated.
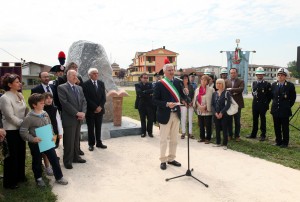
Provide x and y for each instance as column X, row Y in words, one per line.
column 171, row 88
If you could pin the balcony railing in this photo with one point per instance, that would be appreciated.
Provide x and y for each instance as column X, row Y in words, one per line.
column 150, row 63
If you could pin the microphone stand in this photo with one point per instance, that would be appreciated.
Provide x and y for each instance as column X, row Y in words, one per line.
column 189, row 171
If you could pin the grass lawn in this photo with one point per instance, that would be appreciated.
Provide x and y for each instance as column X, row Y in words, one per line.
column 289, row 157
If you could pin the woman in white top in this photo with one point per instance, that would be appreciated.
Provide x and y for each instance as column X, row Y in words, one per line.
column 13, row 108
column 202, row 104
column 187, row 110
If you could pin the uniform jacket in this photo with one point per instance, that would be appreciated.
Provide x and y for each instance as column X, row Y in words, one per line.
column 236, row 91
column 262, row 95
column 283, row 98
column 160, row 98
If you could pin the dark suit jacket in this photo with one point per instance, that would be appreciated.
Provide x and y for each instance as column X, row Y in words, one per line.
column 39, row 89
column 70, row 106
column 160, row 98
column 144, row 94
column 94, row 98
column 236, row 91
column 283, row 99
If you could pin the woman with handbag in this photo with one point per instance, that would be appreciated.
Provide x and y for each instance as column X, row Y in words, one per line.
column 220, row 104
column 13, row 108
column 202, row 104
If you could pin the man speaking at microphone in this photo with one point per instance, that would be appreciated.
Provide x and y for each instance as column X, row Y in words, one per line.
column 167, row 97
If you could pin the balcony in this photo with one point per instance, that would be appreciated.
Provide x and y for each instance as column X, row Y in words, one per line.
column 152, row 63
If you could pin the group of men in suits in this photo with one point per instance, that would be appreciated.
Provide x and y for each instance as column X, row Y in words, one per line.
column 78, row 102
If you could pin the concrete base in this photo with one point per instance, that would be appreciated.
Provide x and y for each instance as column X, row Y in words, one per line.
column 110, row 131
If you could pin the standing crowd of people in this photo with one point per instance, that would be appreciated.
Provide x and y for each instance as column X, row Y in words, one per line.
column 171, row 102
column 63, row 104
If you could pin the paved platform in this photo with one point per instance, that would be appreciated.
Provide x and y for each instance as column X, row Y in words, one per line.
column 128, row 170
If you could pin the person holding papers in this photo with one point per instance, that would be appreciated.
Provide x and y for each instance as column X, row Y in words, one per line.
column 34, row 120
column 167, row 97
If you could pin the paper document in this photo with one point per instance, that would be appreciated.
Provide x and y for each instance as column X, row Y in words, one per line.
column 46, row 135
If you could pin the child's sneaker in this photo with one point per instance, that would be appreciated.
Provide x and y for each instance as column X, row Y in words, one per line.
column 40, row 182
column 62, row 181
column 49, row 171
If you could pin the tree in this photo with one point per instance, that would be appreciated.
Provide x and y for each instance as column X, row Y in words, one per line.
column 292, row 67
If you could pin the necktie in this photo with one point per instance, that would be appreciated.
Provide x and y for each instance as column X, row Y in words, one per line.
column 75, row 92
column 47, row 88
column 95, row 84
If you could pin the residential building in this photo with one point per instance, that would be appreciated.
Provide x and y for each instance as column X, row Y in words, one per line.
column 150, row 62
column 30, row 73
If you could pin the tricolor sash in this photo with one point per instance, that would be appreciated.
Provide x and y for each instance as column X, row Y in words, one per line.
column 171, row 88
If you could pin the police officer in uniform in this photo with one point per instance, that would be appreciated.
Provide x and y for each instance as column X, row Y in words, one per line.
column 192, row 80
column 143, row 103
column 261, row 91
column 283, row 96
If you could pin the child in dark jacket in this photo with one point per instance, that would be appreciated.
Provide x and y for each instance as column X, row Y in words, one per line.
column 36, row 118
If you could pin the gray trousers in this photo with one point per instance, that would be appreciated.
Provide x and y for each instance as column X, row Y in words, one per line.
column 71, row 143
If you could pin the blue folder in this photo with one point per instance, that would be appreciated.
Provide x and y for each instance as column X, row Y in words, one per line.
column 46, row 135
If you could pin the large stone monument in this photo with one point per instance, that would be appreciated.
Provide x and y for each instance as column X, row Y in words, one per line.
column 87, row 55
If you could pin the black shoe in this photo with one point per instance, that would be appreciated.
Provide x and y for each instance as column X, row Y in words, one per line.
column 276, row 144
column 150, row 134
column 79, row 161
column 262, row 139
column 11, row 187
column 81, row 152
column 143, row 135
column 100, row 145
column 91, row 148
column 283, row 146
column 68, row 166
column 175, row 163
column 251, row 136
column 163, row 166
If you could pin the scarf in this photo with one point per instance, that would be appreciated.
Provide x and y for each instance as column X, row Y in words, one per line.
column 202, row 92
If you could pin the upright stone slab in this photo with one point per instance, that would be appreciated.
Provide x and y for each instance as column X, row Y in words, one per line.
column 87, row 55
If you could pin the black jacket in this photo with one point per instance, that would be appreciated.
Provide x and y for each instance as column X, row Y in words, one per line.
column 94, row 97
column 262, row 95
column 160, row 98
column 283, row 98
column 143, row 95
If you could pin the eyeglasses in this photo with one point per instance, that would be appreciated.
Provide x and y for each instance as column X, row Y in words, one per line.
column 145, row 77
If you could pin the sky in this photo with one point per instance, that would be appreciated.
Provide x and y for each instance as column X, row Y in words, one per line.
column 36, row 30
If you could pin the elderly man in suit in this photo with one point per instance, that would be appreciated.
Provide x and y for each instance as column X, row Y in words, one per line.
column 236, row 87
column 94, row 92
column 167, row 97
column 73, row 104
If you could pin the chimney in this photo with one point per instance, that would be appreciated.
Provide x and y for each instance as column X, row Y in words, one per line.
column 164, row 47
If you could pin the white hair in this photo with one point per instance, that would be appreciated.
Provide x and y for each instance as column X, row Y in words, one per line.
column 167, row 65
column 92, row 70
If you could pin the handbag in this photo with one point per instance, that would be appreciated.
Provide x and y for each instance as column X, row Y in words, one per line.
column 234, row 107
